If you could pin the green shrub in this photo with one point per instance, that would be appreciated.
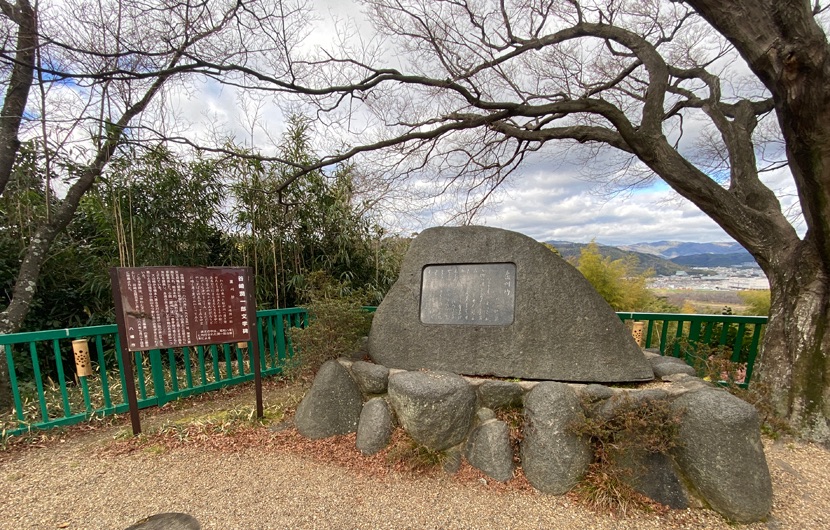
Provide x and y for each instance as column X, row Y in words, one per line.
column 757, row 302
column 336, row 327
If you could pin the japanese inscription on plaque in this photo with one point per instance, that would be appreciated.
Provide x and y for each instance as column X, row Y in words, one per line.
column 474, row 293
column 167, row 307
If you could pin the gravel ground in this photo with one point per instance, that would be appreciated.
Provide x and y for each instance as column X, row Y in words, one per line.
column 79, row 482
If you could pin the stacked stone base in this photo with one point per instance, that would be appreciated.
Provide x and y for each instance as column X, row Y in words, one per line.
column 719, row 461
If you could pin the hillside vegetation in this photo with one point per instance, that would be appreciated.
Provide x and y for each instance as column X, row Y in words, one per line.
column 714, row 260
column 643, row 262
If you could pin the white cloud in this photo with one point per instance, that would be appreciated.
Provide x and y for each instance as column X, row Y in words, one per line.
column 558, row 206
column 583, row 216
column 553, row 203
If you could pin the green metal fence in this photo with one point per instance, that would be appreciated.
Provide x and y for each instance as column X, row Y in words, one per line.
column 695, row 335
column 41, row 402
column 161, row 376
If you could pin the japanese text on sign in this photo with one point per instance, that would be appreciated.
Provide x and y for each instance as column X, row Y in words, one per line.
column 167, row 307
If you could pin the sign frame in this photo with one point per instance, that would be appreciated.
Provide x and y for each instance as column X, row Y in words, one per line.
column 468, row 294
column 183, row 323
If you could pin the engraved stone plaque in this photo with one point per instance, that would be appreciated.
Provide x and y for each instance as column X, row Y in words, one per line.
column 471, row 293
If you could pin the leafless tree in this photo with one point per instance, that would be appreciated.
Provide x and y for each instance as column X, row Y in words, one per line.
column 98, row 67
column 465, row 92
column 468, row 90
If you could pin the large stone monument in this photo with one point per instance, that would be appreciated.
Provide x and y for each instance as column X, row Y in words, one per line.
column 484, row 301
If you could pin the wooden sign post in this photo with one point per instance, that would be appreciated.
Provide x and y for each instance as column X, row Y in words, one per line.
column 171, row 307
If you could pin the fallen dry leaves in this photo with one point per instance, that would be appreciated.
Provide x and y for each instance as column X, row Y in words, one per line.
column 337, row 450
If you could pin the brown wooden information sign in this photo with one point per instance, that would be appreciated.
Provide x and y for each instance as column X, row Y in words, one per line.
column 168, row 307
column 171, row 307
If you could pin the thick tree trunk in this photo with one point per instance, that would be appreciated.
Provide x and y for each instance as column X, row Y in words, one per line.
column 790, row 54
column 11, row 319
column 17, row 94
column 20, row 82
column 24, row 288
column 794, row 362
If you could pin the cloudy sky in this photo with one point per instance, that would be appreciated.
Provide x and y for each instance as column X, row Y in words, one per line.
column 551, row 205
column 548, row 198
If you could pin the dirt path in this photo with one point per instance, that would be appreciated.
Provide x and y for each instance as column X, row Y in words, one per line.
column 265, row 479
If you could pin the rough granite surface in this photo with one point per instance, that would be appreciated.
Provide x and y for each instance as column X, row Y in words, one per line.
column 332, row 405
column 562, row 329
column 435, row 408
column 721, row 452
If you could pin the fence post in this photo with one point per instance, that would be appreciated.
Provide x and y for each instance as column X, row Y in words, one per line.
column 157, row 370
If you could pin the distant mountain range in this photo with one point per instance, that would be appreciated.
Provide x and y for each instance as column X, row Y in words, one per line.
column 668, row 257
column 674, row 249
column 715, row 260
column 721, row 254
column 661, row 266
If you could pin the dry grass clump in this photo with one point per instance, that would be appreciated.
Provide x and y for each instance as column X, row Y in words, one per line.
column 648, row 425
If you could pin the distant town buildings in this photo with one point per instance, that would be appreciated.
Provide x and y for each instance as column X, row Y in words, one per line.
column 715, row 279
